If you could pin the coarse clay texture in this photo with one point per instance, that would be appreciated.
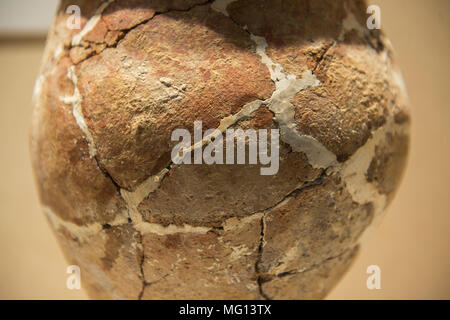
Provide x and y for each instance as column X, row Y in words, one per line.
column 140, row 226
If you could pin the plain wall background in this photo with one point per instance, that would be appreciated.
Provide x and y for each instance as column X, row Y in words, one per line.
column 411, row 246
column 26, row 17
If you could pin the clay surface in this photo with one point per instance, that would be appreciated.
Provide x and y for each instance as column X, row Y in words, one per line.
column 141, row 227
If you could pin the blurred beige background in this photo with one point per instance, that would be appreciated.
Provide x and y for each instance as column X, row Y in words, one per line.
column 411, row 246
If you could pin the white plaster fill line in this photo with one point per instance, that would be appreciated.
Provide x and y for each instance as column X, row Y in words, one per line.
column 353, row 173
column 75, row 100
column 221, row 6
column 76, row 40
column 134, row 198
column 351, row 23
column 286, row 87
column 85, row 231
